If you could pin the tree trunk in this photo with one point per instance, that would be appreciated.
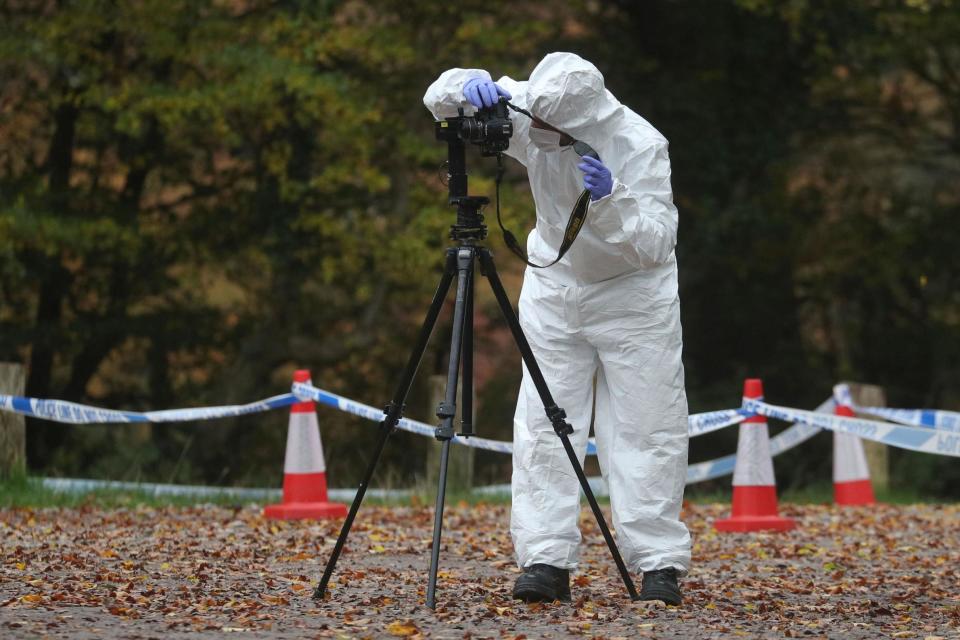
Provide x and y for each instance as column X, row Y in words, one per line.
column 54, row 282
column 868, row 395
column 13, row 436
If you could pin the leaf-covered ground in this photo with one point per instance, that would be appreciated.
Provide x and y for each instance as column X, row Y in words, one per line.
column 889, row 571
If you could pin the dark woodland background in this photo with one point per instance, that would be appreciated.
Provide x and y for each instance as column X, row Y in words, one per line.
column 198, row 197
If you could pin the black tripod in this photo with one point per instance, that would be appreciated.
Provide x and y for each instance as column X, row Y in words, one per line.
column 468, row 232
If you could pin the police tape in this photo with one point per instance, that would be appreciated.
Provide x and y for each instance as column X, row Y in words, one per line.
column 933, row 418
column 305, row 391
column 73, row 413
column 786, row 440
column 703, row 422
column 904, row 437
column 698, row 423
column 242, row 494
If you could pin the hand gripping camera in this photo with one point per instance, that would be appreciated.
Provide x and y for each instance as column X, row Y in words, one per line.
column 490, row 128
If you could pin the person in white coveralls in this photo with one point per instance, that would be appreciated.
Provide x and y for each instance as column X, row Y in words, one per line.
column 607, row 312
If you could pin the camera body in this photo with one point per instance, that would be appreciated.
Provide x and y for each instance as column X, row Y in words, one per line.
column 490, row 129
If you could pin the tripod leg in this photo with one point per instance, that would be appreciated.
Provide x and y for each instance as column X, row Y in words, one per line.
column 556, row 415
column 466, row 386
column 448, row 408
column 393, row 412
column 438, row 526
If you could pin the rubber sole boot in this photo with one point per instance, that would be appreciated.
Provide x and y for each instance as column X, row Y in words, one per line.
column 542, row 583
column 661, row 585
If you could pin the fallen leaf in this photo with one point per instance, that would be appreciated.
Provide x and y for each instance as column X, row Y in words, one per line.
column 402, row 628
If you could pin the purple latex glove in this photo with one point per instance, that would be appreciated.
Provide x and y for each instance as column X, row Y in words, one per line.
column 596, row 177
column 483, row 93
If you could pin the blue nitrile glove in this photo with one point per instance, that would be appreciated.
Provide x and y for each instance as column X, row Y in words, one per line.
column 481, row 92
column 596, row 177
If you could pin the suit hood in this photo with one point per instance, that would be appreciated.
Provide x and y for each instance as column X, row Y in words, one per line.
column 568, row 92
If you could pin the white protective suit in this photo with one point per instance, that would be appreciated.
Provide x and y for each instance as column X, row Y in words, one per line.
column 609, row 308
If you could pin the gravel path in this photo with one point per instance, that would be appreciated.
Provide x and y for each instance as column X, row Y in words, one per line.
column 888, row 571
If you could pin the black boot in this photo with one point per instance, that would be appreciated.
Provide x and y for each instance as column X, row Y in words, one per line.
column 661, row 585
column 542, row 583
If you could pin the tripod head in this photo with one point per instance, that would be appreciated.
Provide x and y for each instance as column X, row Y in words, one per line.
column 491, row 130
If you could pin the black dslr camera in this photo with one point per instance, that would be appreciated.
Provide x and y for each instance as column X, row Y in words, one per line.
column 490, row 128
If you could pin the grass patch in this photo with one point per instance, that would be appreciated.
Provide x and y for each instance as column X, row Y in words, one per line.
column 24, row 492
column 817, row 494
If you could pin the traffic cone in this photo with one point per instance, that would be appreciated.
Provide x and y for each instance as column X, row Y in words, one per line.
column 754, row 487
column 304, row 472
column 851, row 476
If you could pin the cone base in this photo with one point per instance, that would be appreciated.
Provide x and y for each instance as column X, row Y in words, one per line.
column 305, row 487
column 754, row 509
column 854, row 493
column 305, row 511
column 754, row 523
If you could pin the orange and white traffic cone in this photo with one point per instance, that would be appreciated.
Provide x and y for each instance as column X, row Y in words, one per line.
column 754, row 486
column 304, row 472
column 851, row 476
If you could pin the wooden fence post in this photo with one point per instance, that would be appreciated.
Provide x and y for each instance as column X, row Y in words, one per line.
column 878, row 459
column 13, row 434
column 460, row 465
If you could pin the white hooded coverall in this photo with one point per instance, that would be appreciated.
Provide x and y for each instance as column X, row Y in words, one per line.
column 609, row 308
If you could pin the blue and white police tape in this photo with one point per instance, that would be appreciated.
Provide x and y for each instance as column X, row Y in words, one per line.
column 699, row 423
column 72, row 413
column 309, row 392
column 933, row 418
column 700, row 472
column 914, row 438
column 788, row 439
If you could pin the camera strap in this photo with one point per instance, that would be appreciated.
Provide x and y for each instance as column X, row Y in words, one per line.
column 574, row 224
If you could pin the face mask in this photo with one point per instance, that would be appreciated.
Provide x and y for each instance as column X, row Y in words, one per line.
column 544, row 139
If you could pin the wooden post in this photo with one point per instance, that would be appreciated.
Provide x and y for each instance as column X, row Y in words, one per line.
column 13, row 434
column 460, row 465
column 869, row 395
